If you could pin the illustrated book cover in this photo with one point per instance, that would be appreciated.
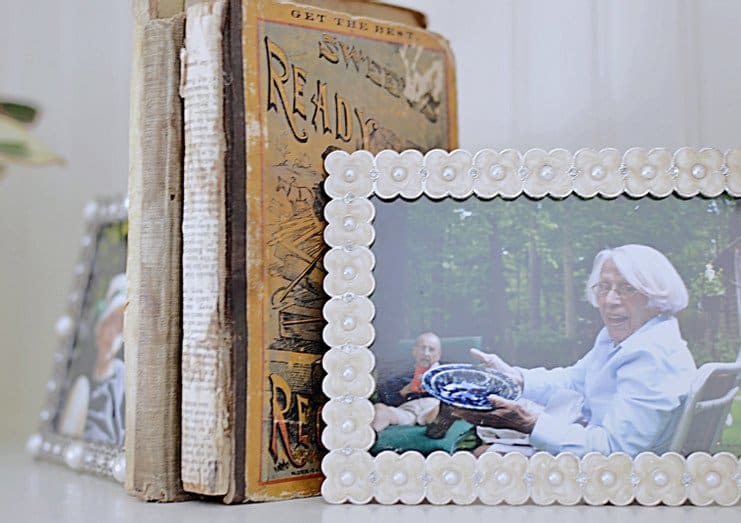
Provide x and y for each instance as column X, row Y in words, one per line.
column 270, row 88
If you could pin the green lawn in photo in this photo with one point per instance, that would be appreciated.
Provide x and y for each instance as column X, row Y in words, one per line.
column 731, row 439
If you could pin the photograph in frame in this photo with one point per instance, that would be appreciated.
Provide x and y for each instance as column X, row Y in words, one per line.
column 512, row 278
column 82, row 422
column 618, row 273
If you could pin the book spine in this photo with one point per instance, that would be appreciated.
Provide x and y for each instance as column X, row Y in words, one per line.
column 152, row 318
column 236, row 178
column 207, row 340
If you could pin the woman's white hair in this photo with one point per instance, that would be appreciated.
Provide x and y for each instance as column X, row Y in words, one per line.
column 647, row 270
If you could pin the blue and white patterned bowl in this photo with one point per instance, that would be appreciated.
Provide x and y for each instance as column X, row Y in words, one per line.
column 468, row 386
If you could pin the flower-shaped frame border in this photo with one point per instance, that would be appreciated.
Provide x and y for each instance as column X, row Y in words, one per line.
column 353, row 475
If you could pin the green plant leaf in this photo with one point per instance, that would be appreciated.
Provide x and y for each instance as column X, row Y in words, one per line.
column 18, row 112
column 18, row 145
column 14, row 149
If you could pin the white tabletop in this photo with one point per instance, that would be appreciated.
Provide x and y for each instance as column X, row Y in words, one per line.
column 37, row 492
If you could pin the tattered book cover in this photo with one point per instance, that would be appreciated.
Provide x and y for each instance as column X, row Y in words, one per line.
column 314, row 81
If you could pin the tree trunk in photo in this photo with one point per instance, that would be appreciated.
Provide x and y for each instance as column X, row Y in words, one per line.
column 736, row 281
column 712, row 306
column 392, row 253
column 734, row 223
column 438, row 293
column 569, row 296
column 535, row 285
column 498, row 324
column 734, row 232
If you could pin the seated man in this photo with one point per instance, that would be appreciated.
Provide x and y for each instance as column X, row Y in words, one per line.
column 419, row 410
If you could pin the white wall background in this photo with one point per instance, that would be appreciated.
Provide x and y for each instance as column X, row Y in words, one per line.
column 531, row 73
column 72, row 59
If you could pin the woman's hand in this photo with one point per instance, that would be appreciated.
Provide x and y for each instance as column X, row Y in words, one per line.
column 507, row 414
column 495, row 362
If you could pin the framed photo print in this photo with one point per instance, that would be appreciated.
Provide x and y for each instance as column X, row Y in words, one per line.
column 541, row 326
column 82, row 422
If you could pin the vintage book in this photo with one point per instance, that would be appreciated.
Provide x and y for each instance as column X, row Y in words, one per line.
column 152, row 327
column 269, row 89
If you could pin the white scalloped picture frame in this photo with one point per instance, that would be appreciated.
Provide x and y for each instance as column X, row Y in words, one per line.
column 352, row 473
column 63, row 436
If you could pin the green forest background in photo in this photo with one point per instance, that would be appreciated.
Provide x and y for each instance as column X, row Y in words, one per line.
column 513, row 272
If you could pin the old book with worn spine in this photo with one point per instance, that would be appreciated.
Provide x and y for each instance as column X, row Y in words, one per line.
column 152, row 327
column 270, row 88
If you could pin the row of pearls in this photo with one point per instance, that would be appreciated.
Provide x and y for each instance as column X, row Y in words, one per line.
column 657, row 485
column 348, row 364
column 546, row 172
column 79, row 455
column 460, row 173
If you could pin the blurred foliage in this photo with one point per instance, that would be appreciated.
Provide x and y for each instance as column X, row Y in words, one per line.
column 544, row 348
column 515, row 271
column 721, row 348
column 708, row 283
column 17, row 144
column 110, row 258
column 19, row 112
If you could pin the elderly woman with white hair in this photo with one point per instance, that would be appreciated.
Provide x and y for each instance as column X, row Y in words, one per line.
column 634, row 379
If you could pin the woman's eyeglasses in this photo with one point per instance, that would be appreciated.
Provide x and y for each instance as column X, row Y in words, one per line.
column 624, row 290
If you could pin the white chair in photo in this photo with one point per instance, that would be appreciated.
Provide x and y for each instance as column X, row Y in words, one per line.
column 707, row 408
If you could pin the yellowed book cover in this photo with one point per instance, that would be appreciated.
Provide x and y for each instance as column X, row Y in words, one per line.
column 312, row 81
